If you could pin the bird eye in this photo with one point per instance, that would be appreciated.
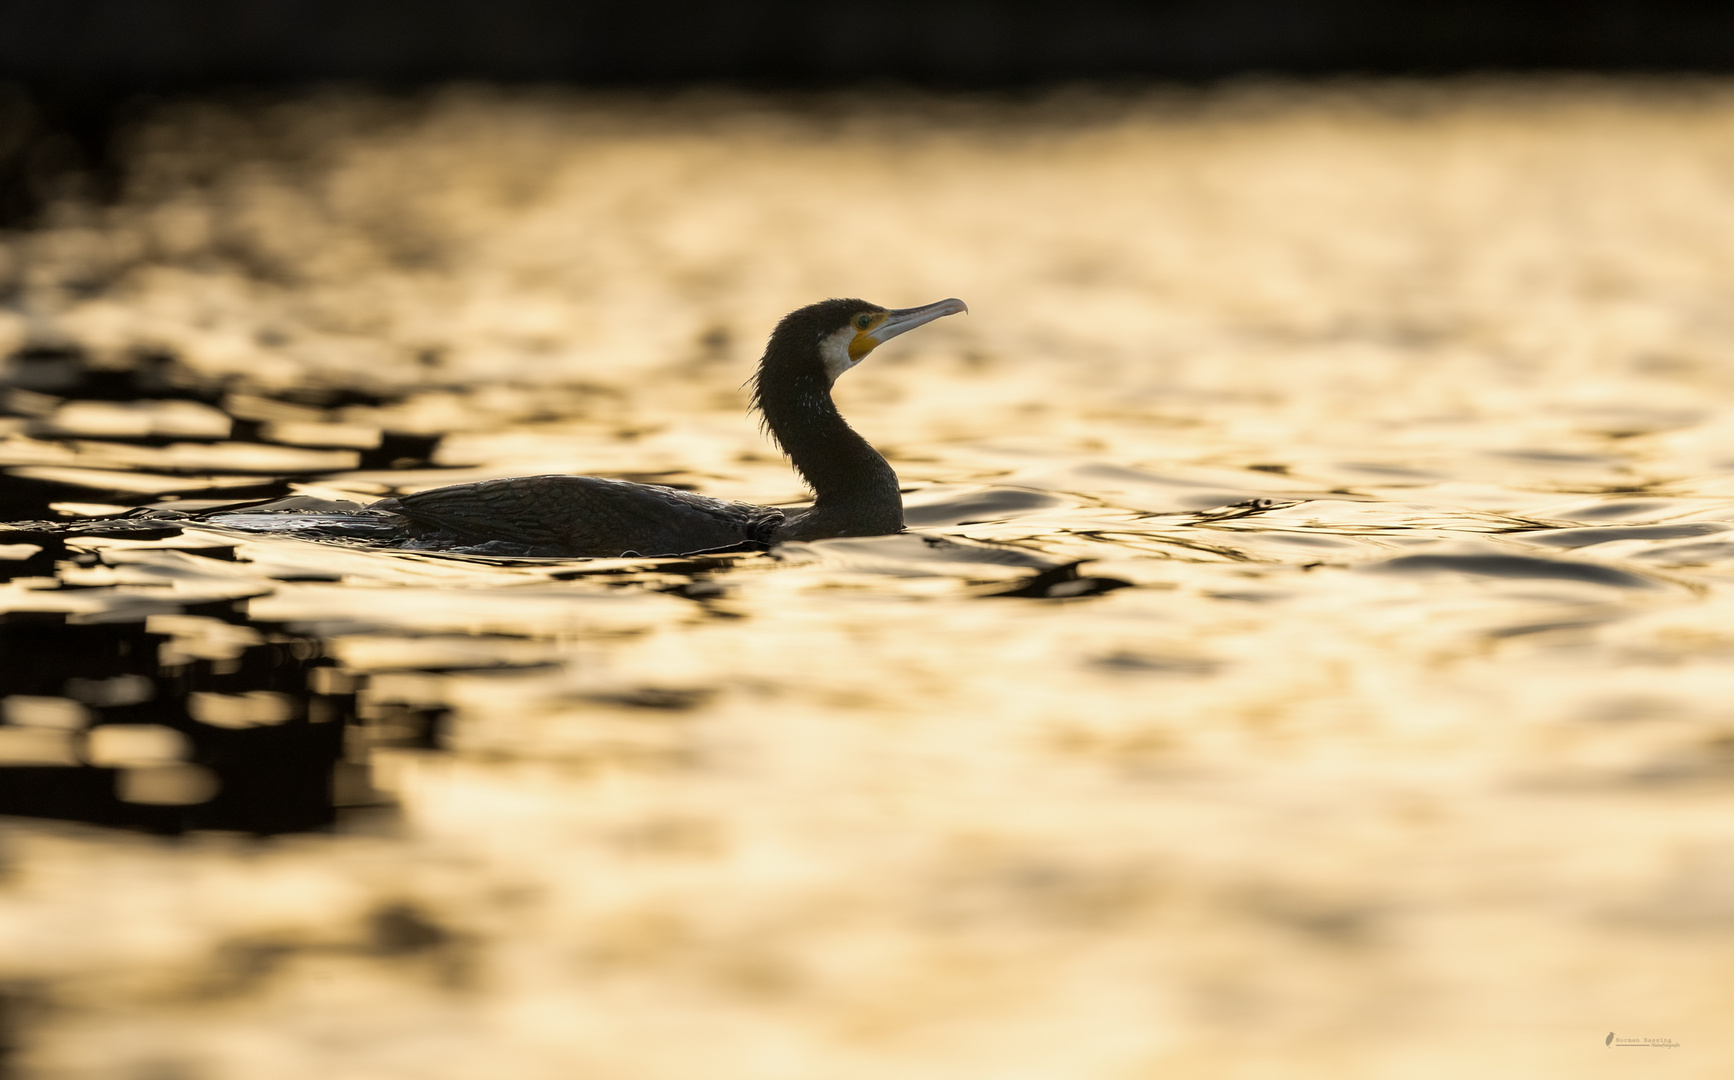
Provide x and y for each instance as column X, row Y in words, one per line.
column 862, row 322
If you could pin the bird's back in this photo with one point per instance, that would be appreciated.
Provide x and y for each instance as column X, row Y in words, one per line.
column 582, row 517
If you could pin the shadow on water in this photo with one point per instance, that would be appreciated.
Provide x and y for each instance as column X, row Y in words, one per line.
column 108, row 719
column 102, row 730
column 1516, row 566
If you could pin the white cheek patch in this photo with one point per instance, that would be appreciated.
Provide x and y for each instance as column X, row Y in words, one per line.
column 834, row 351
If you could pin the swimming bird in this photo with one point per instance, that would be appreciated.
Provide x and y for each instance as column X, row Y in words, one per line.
column 855, row 491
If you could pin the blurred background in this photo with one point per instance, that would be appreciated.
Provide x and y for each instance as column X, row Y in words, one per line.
column 1310, row 660
column 81, row 65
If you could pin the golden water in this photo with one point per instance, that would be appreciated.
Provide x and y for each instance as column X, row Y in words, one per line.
column 1421, row 766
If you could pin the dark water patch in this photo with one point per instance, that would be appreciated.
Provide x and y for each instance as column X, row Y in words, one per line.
column 1309, row 543
column 1715, row 769
column 992, row 504
column 1394, row 472
column 697, row 569
column 1331, row 921
column 392, row 930
column 994, row 569
column 1529, row 629
column 1629, row 708
column 701, row 590
column 401, row 450
column 115, row 723
column 1703, row 553
column 1155, row 664
column 404, row 930
column 1244, row 508
column 29, row 556
column 27, row 499
column 1212, row 500
column 1063, row 583
column 1576, row 538
column 1166, row 544
column 330, row 396
column 67, row 372
column 42, row 485
column 1626, row 422
column 1619, row 509
column 1555, row 457
column 656, row 698
column 23, row 1003
column 916, row 550
column 1513, row 566
column 1123, row 474
column 41, row 369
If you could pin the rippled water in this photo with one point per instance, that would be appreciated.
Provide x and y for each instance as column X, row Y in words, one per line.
column 1310, row 654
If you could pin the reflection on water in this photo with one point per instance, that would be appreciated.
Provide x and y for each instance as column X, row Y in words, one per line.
column 1310, row 655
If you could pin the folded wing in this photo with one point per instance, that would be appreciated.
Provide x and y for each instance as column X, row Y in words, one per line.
column 583, row 516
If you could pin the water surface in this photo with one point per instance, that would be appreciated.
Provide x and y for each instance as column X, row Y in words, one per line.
column 1310, row 654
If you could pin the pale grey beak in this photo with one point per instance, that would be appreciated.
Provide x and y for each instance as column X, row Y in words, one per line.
column 903, row 320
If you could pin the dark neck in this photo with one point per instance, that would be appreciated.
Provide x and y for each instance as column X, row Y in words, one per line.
column 855, row 489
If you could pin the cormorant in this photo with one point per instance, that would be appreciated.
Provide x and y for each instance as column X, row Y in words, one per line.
column 855, row 490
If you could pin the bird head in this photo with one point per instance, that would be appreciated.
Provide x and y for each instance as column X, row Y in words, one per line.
column 842, row 332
